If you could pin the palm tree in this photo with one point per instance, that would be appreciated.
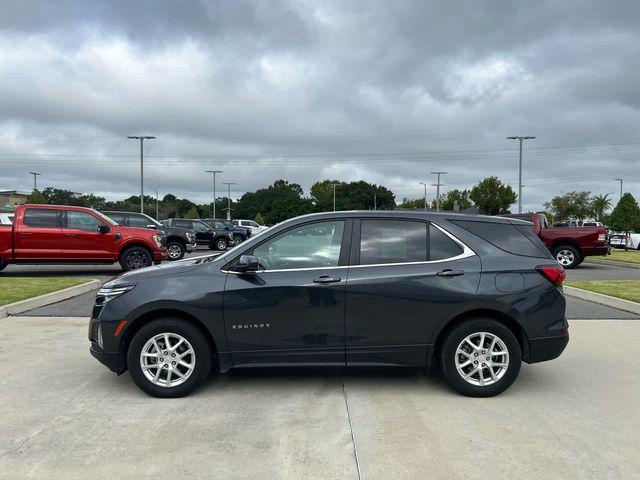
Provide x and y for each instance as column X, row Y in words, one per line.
column 599, row 205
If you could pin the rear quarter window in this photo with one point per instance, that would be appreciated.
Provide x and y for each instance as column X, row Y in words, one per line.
column 516, row 239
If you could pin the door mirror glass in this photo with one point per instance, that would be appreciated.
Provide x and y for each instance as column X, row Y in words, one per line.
column 103, row 229
column 246, row 263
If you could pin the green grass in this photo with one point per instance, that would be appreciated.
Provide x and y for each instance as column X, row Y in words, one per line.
column 626, row 289
column 619, row 255
column 15, row 289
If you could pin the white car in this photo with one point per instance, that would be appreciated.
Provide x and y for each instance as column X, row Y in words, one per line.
column 250, row 225
column 632, row 240
column 6, row 218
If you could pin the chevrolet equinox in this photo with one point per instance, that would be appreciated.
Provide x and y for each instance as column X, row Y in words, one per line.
column 473, row 295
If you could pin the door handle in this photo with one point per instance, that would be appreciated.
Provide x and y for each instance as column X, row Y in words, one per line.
column 326, row 279
column 25, row 234
column 450, row 273
column 69, row 234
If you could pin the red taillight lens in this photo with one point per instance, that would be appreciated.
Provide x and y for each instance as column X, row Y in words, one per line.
column 602, row 235
column 554, row 273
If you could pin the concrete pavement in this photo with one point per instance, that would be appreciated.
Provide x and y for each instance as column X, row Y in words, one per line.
column 66, row 416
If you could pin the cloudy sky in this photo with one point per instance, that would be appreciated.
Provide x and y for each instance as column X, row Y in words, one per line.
column 384, row 91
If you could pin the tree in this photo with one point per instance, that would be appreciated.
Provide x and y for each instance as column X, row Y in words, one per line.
column 36, row 197
column 276, row 203
column 415, row 204
column 449, row 199
column 259, row 219
column 626, row 216
column 358, row 195
column 192, row 213
column 492, row 196
column 572, row 205
column 599, row 206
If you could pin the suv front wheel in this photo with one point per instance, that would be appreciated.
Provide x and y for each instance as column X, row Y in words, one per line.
column 480, row 357
column 175, row 250
column 169, row 358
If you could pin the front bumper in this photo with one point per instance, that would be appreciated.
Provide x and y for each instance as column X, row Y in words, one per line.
column 547, row 348
column 191, row 247
column 160, row 255
column 111, row 360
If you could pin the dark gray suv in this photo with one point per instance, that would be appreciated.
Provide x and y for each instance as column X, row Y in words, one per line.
column 474, row 295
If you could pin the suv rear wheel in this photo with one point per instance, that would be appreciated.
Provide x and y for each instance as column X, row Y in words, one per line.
column 480, row 357
column 169, row 358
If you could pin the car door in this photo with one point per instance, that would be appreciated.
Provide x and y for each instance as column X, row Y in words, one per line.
column 292, row 310
column 39, row 235
column 405, row 278
column 81, row 239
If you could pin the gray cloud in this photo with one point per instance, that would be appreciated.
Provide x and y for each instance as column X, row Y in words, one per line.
column 380, row 91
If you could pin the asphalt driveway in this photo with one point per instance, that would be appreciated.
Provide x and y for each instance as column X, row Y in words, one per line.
column 66, row 416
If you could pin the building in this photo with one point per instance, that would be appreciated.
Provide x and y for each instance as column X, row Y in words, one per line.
column 10, row 198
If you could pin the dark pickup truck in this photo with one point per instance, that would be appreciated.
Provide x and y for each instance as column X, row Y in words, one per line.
column 179, row 240
column 569, row 245
column 62, row 234
column 214, row 238
column 240, row 234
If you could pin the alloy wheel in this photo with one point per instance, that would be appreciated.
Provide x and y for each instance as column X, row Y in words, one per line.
column 482, row 359
column 565, row 257
column 167, row 360
column 136, row 260
column 174, row 251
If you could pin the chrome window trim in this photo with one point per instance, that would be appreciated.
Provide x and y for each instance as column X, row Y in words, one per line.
column 466, row 253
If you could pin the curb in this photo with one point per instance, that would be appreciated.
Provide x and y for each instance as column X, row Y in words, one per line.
column 607, row 300
column 612, row 263
column 49, row 298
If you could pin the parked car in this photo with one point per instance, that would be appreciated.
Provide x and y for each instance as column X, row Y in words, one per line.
column 593, row 224
column 6, row 218
column 214, row 238
column 474, row 295
column 62, row 234
column 179, row 240
column 250, row 225
column 240, row 234
column 628, row 240
column 570, row 245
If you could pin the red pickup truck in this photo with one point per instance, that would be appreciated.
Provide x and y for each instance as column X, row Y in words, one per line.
column 62, row 234
column 569, row 245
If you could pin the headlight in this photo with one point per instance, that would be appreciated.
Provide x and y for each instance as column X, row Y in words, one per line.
column 160, row 240
column 106, row 294
column 190, row 236
column 230, row 234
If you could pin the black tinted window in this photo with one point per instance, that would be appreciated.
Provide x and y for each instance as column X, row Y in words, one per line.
column 116, row 217
column 182, row 223
column 39, row 217
column 441, row 246
column 138, row 221
column 519, row 240
column 392, row 241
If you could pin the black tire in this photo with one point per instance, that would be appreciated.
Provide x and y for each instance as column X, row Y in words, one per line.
column 192, row 337
column 175, row 250
column 567, row 256
column 448, row 357
column 134, row 258
column 238, row 239
column 221, row 244
column 3, row 265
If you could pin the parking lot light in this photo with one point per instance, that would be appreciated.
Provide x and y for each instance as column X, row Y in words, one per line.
column 520, row 138
column 142, row 139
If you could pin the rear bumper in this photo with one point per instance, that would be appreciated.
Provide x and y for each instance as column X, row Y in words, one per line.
column 599, row 250
column 548, row 348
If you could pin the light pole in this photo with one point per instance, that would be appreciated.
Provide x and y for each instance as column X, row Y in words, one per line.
column 616, row 179
column 438, row 185
column 157, row 208
column 213, row 204
column 229, row 199
column 334, row 185
column 520, row 138
column 142, row 139
column 35, row 175
column 425, row 195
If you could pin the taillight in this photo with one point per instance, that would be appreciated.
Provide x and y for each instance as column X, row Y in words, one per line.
column 602, row 235
column 554, row 273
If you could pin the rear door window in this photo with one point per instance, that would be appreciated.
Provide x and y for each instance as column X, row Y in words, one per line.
column 392, row 241
column 43, row 218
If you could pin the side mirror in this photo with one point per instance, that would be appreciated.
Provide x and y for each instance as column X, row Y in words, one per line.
column 103, row 229
column 246, row 263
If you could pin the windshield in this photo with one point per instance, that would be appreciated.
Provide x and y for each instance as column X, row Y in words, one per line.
column 104, row 217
